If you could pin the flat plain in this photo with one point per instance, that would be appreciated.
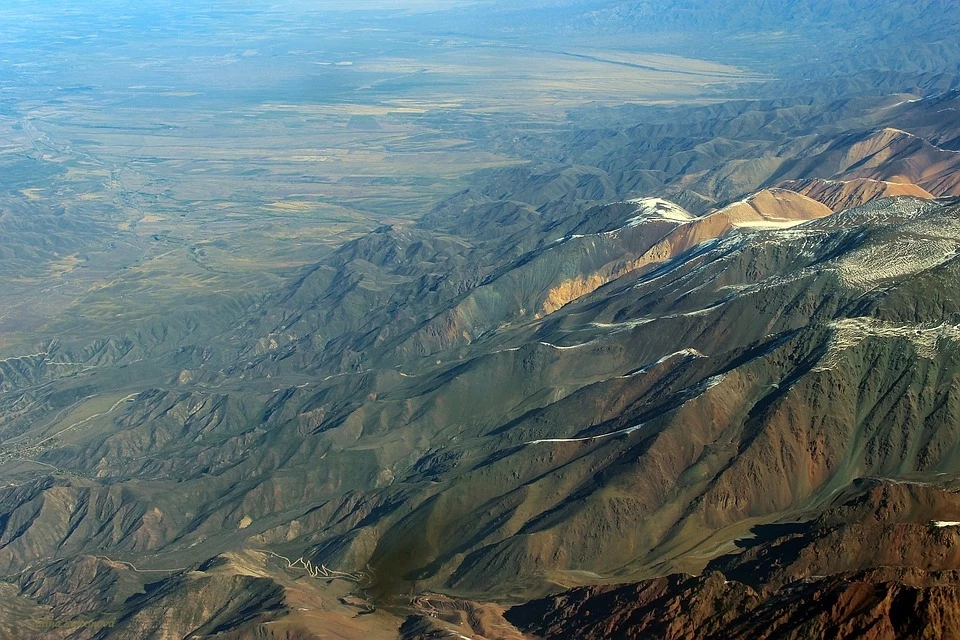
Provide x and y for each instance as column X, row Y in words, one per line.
column 191, row 154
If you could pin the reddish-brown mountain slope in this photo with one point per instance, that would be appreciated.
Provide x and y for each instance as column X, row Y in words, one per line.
column 844, row 194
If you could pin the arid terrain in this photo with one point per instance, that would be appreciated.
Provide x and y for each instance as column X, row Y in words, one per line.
column 441, row 320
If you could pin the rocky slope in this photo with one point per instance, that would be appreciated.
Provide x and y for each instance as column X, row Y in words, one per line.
column 853, row 605
column 844, row 194
column 725, row 341
column 750, row 378
column 873, row 565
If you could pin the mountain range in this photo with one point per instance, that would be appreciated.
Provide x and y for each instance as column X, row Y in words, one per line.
column 689, row 371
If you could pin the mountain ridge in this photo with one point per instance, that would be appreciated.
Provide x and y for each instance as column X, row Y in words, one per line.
column 699, row 359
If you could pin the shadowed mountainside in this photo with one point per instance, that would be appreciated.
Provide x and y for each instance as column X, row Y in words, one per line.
column 873, row 565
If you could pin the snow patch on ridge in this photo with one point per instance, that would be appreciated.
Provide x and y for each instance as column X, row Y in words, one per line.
column 873, row 264
column 894, row 209
column 771, row 223
column 685, row 353
column 850, row 332
column 713, row 381
column 693, row 353
column 914, row 136
column 627, row 324
column 657, row 208
column 588, row 438
column 564, row 348
column 646, row 209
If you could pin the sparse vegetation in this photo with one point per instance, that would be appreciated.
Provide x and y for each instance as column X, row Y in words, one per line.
column 538, row 299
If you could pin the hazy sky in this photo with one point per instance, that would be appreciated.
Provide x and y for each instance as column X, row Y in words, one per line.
column 414, row 5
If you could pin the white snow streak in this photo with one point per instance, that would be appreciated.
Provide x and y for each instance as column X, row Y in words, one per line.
column 603, row 435
column 767, row 224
